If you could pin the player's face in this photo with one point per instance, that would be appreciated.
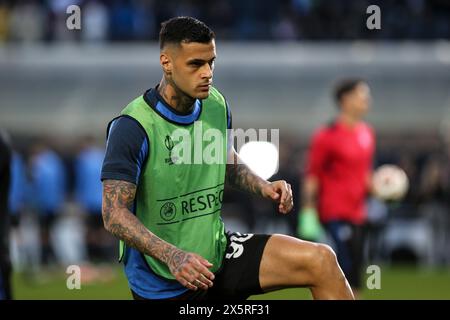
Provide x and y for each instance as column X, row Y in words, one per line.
column 359, row 100
column 193, row 66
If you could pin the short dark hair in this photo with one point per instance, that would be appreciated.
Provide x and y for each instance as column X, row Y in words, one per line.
column 184, row 29
column 344, row 86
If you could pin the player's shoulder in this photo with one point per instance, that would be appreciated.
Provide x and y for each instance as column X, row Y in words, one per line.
column 215, row 92
column 367, row 127
column 125, row 128
column 325, row 133
column 325, row 129
column 216, row 95
column 141, row 110
column 125, row 122
column 134, row 105
column 320, row 136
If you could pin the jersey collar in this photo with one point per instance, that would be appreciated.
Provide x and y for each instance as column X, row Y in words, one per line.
column 157, row 103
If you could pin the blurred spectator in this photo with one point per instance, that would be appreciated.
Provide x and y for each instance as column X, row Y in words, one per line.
column 4, row 22
column 27, row 21
column 221, row 15
column 408, row 162
column 285, row 29
column 18, row 203
column 433, row 179
column 121, row 20
column 58, row 19
column 49, row 193
column 18, row 188
column 88, row 193
column 95, row 21
column 68, row 236
column 377, row 218
column 144, row 24
column 187, row 8
column 434, row 193
column 137, row 20
column 289, row 164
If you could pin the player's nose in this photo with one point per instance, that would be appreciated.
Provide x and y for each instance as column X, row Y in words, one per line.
column 207, row 72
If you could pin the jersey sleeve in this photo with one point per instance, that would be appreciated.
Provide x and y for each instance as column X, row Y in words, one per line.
column 318, row 154
column 127, row 150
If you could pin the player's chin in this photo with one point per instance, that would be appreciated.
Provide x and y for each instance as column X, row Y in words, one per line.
column 202, row 93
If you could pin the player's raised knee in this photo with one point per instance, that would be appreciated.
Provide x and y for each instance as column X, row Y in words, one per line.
column 329, row 263
column 324, row 259
column 327, row 253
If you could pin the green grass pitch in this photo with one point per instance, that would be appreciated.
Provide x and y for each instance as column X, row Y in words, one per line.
column 396, row 283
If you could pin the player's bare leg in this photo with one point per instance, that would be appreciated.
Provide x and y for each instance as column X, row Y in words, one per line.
column 356, row 293
column 289, row 262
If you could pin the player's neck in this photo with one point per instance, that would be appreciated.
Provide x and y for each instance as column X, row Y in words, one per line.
column 348, row 120
column 175, row 98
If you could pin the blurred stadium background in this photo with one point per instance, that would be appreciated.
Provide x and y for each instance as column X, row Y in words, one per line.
column 277, row 61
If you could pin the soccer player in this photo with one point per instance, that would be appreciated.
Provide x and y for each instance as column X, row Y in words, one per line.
column 338, row 176
column 5, row 175
column 167, row 212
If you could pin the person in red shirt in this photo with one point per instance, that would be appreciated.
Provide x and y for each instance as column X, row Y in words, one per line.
column 338, row 175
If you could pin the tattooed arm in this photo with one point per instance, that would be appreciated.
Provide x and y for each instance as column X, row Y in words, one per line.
column 241, row 177
column 189, row 269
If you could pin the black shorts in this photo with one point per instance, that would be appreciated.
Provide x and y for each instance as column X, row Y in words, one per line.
column 238, row 277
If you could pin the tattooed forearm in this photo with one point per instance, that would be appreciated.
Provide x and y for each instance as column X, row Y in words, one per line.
column 117, row 195
column 118, row 198
column 241, row 177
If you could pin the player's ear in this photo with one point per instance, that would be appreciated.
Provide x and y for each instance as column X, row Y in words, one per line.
column 166, row 63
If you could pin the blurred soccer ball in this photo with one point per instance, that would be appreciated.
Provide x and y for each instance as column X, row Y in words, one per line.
column 390, row 182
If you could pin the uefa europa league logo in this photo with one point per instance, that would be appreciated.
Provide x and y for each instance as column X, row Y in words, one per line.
column 168, row 142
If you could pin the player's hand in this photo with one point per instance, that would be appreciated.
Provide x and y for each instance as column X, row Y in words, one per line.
column 279, row 191
column 191, row 270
